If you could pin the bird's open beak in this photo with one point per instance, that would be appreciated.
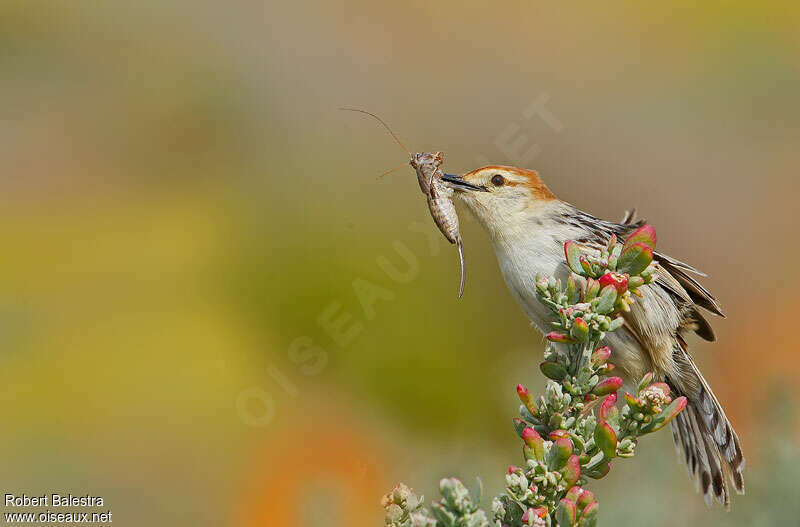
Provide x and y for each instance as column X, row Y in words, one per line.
column 458, row 183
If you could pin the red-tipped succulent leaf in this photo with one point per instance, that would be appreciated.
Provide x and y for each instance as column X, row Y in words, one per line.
column 572, row 470
column 566, row 513
column 526, row 398
column 555, row 336
column 607, row 386
column 645, row 234
column 534, row 441
column 606, row 439
column 608, row 408
column 572, row 252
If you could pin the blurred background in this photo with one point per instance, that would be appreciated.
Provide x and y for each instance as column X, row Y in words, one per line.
column 214, row 314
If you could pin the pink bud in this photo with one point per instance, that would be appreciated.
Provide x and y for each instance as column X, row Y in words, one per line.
column 618, row 280
column 601, row 355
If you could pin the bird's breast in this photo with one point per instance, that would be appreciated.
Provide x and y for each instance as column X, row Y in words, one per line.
column 521, row 262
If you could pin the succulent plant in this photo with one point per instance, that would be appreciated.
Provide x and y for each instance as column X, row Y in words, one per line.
column 574, row 430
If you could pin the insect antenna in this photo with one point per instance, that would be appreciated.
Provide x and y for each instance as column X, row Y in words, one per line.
column 395, row 169
column 383, row 123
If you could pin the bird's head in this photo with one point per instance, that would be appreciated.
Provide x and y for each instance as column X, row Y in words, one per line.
column 501, row 198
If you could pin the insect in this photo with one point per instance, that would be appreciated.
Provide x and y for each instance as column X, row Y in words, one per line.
column 439, row 196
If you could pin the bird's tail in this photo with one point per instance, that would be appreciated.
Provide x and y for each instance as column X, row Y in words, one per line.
column 707, row 442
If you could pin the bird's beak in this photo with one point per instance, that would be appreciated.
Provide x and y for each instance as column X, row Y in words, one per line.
column 458, row 183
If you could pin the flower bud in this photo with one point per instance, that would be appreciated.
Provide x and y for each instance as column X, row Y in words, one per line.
column 619, row 281
column 541, row 284
column 600, row 356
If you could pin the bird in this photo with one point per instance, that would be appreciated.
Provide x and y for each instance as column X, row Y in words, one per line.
column 528, row 226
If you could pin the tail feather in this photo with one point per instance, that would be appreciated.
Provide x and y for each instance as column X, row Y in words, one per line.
column 710, row 447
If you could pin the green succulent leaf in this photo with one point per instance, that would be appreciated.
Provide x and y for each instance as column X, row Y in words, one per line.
column 553, row 370
column 608, row 296
column 635, row 259
column 572, row 252
column 560, row 451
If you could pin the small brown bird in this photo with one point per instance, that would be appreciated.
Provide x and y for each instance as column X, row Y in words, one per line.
column 528, row 226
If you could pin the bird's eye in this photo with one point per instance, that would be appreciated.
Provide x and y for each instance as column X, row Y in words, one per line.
column 498, row 180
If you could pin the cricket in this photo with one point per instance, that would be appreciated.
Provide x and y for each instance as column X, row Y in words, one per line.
column 428, row 166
